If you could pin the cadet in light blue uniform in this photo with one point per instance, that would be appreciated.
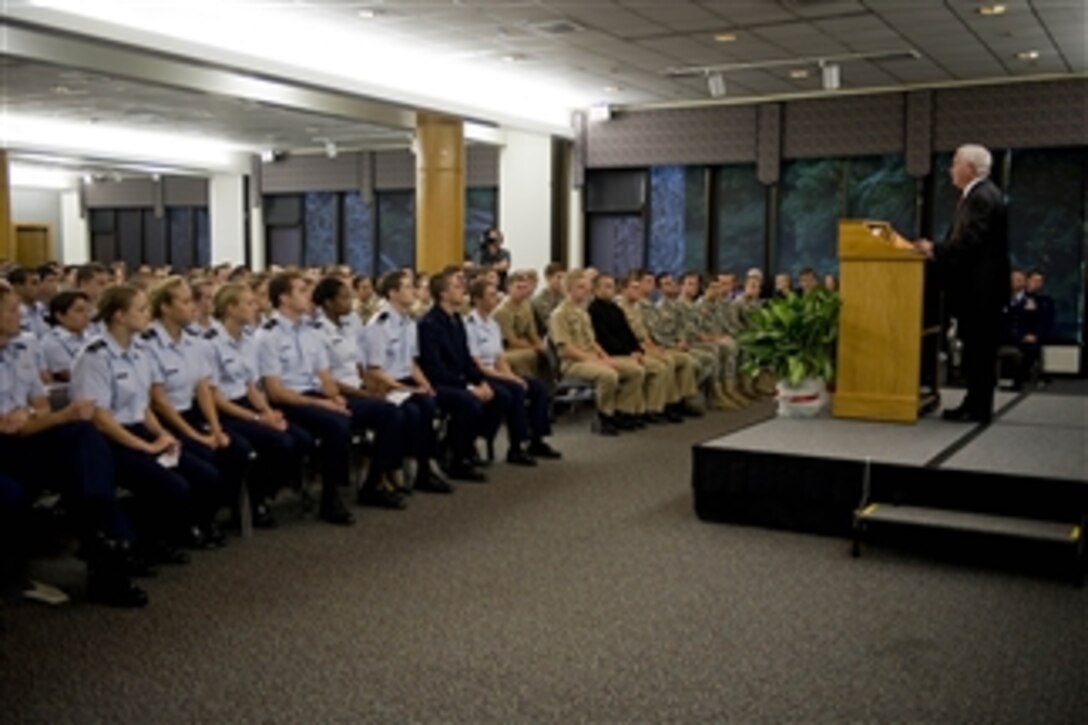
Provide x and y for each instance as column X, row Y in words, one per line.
column 70, row 315
column 293, row 365
column 390, row 347
column 117, row 374
column 183, row 399
column 332, row 301
column 484, row 339
column 243, row 408
column 42, row 448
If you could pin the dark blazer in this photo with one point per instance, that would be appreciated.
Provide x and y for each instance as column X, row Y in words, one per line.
column 611, row 328
column 443, row 350
column 974, row 258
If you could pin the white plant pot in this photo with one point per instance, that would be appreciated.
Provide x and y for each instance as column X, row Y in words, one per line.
column 806, row 400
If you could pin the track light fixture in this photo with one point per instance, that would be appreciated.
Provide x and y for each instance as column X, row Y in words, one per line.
column 831, row 73
column 715, row 83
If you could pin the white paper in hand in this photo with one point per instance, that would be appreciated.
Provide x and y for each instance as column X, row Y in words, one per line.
column 396, row 397
column 169, row 459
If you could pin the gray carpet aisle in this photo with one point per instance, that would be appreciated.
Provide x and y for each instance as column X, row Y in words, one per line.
column 581, row 591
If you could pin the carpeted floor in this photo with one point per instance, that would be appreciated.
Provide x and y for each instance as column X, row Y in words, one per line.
column 579, row 591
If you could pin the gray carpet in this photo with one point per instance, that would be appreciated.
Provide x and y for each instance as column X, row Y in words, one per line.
column 581, row 591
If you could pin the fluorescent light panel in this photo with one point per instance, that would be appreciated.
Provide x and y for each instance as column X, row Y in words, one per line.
column 361, row 52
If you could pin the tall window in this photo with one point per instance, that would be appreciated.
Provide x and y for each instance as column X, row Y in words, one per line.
column 809, row 208
column 742, row 219
column 136, row 236
column 616, row 242
column 396, row 230
column 481, row 212
column 358, row 234
column 678, row 219
column 1046, row 206
column 878, row 187
column 322, row 224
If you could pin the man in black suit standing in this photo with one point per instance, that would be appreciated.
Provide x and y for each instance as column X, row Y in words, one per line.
column 974, row 265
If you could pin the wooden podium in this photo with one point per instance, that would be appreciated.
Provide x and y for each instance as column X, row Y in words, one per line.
column 889, row 327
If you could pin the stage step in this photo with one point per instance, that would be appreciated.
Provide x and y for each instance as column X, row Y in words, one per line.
column 1048, row 532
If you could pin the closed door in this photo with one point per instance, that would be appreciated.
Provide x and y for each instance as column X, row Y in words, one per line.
column 32, row 245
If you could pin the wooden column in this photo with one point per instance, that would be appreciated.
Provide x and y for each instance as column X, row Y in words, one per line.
column 7, row 231
column 440, row 191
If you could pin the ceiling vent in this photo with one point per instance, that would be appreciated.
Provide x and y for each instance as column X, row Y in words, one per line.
column 556, row 27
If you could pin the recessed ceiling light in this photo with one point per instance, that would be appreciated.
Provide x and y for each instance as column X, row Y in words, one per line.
column 368, row 13
column 992, row 10
column 1028, row 55
column 514, row 57
column 612, row 89
column 799, row 73
column 726, row 37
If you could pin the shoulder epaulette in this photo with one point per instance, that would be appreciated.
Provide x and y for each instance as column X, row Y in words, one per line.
column 211, row 334
column 149, row 334
column 96, row 346
column 383, row 315
column 316, row 324
column 19, row 345
column 270, row 325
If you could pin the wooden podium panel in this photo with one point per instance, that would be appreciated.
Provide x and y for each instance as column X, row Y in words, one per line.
column 880, row 364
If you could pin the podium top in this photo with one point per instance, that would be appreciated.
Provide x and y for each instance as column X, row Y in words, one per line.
column 866, row 239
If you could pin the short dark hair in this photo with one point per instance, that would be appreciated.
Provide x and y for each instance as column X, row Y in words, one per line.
column 237, row 273
column 326, row 290
column 117, row 298
column 554, row 268
column 19, row 276
column 280, row 285
column 63, row 302
column 359, row 279
column 48, row 270
column 689, row 274
column 635, row 275
column 479, row 288
column 1037, row 273
column 440, row 283
column 87, row 272
column 807, row 271
column 601, row 278
column 392, row 282
column 660, row 276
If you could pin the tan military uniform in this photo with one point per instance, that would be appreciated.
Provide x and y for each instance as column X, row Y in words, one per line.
column 544, row 305
column 367, row 309
column 518, row 322
column 618, row 388
column 680, row 372
column 418, row 309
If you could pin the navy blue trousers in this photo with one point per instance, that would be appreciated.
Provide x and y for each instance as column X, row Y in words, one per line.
column 169, row 500
column 387, row 423
column 279, row 453
column 419, row 413
column 469, row 418
column 522, row 422
column 333, row 430
column 73, row 460
column 232, row 462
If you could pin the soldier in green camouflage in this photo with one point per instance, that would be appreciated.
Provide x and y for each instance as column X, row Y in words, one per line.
column 722, row 348
column 719, row 324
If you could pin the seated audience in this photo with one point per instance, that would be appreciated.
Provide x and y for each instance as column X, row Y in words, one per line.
column 60, row 450
column 70, row 317
column 485, row 345
column 618, row 382
column 367, row 301
column 783, row 285
column 807, row 280
column 525, row 351
column 551, row 296
column 244, row 411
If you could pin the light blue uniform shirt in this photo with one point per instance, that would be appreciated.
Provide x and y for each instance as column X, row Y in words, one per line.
column 60, row 348
column 291, row 351
column 232, row 363
column 116, row 379
column 391, row 342
column 30, row 320
column 342, row 348
column 181, row 364
column 19, row 378
column 484, row 338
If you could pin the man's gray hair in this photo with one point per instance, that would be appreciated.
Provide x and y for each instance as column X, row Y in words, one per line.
column 979, row 157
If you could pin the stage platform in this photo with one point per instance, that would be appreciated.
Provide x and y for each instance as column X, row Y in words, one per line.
column 810, row 475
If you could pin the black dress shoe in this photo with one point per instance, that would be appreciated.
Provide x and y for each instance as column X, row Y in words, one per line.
column 428, row 481
column 263, row 518
column 607, row 426
column 333, row 511
column 115, row 590
column 381, row 498
column 139, row 566
column 962, row 415
column 689, row 411
column 518, row 457
column 214, row 536
column 672, row 416
column 467, row 473
column 169, row 555
column 540, row 449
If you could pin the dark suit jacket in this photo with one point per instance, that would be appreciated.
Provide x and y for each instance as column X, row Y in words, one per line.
column 611, row 328
column 974, row 259
column 443, row 350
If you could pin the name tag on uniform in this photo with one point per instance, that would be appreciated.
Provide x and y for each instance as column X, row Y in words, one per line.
column 122, row 376
column 169, row 372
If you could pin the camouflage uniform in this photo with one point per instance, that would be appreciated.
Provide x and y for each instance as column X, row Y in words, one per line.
column 680, row 374
column 670, row 328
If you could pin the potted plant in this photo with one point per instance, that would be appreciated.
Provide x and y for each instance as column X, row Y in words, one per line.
column 793, row 338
